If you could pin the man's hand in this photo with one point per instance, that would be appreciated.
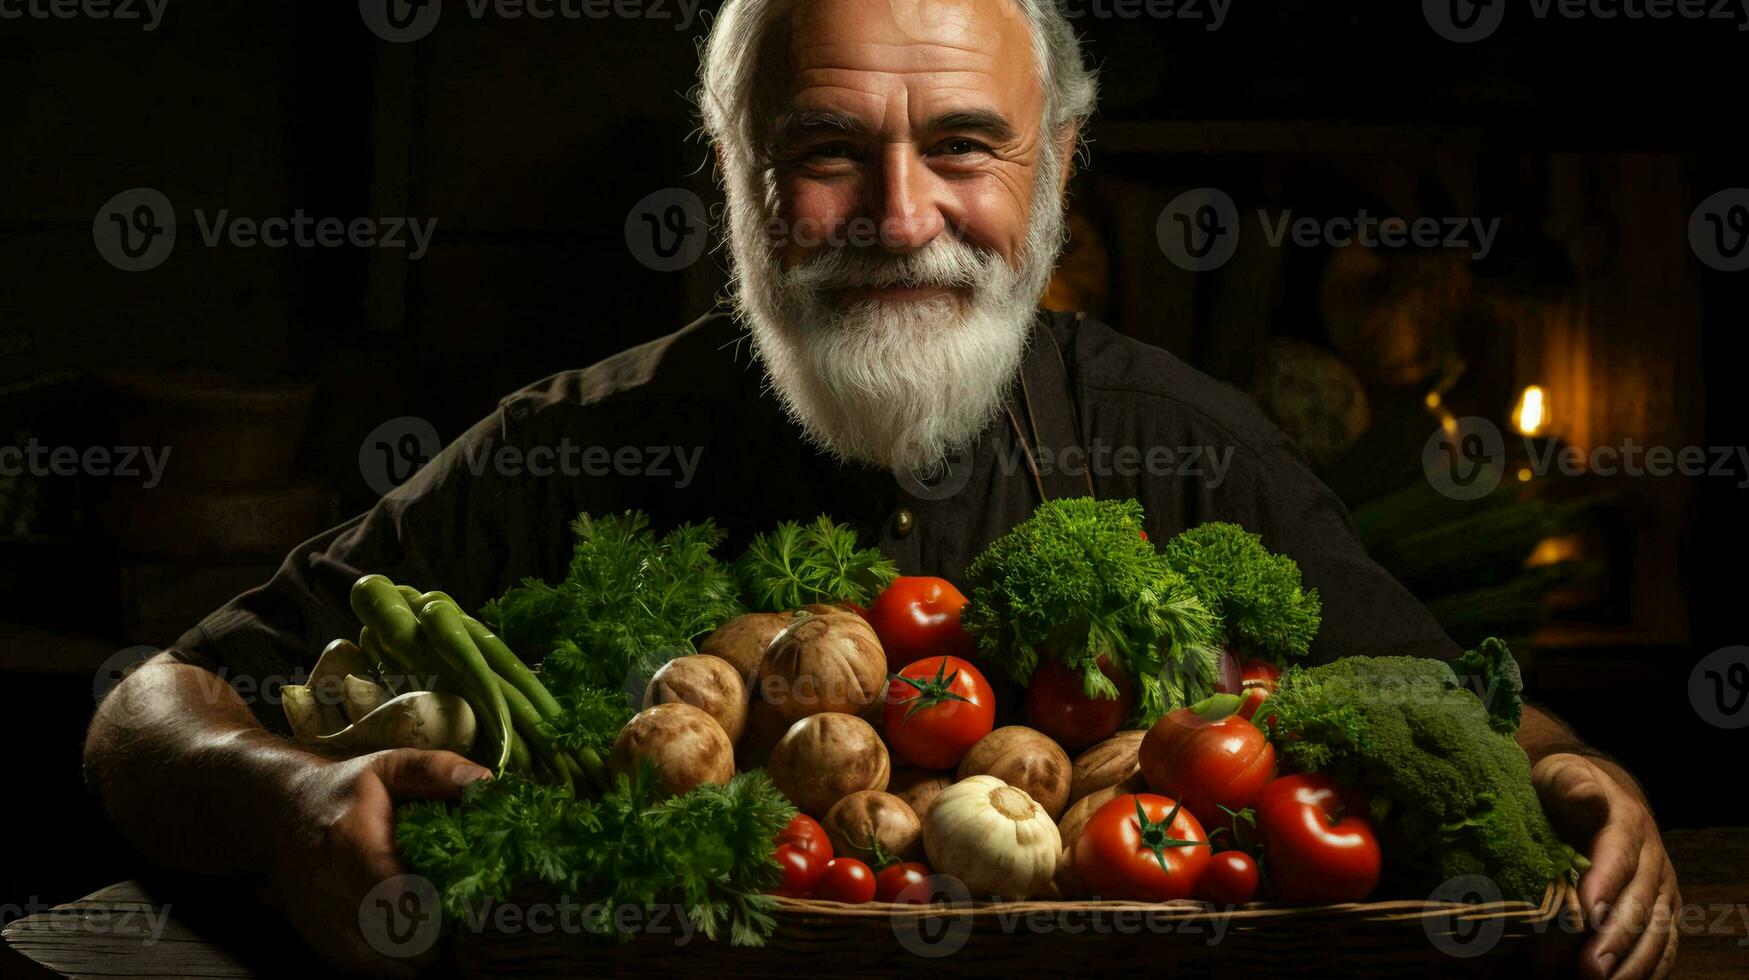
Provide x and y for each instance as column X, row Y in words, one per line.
column 340, row 852
column 1629, row 895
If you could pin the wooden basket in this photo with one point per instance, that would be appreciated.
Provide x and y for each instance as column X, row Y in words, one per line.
column 817, row 938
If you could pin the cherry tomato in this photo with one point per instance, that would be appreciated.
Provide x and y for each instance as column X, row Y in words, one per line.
column 937, row 709
column 801, row 871
column 919, row 616
column 1208, row 757
column 1142, row 846
column 1230, row 879
column 806, row 833
column 893, row 879
column 1320, row 845
column 1057, row 704
column 845, row 880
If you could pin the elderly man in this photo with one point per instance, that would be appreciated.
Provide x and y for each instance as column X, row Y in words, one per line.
column 895, row 173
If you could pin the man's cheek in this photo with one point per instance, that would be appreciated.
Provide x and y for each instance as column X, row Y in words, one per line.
column 989, row 215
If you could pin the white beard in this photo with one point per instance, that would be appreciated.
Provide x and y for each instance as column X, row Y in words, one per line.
column 901, row 385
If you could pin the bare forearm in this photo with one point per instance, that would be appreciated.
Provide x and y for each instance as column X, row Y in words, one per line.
column 1542, row 734
column 190, row 778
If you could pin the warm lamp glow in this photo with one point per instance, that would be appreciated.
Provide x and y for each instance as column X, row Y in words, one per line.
column 1531, row 416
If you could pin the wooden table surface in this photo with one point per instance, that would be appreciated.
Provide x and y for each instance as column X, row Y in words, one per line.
column 132, row 930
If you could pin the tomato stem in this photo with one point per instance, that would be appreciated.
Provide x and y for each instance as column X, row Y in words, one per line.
column 931, row 692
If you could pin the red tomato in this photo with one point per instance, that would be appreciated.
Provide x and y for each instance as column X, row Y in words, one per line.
column 1230, row 879
column 801, row 871
column 806, row 833
column 937, row 709
column 1320, row 845
column 1257, row 672
column 1249, row 702
column 898, row 876
column 1207, row 757
column 1057, row 704
column 845, row 880
column 1142, row 846
column 919, row 616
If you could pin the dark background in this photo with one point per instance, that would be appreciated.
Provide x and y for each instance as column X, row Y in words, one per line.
column 531, row 141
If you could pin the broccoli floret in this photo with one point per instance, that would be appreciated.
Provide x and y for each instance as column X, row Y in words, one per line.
column 1451, row 795
column 1076, row 582
column 1255, row 593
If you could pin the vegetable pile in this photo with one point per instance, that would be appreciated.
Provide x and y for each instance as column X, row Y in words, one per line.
column 803, row 723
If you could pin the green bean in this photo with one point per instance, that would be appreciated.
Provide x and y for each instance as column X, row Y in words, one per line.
column 380, row 606
column 441, row 622
column 530, row 727
column 398, row 673
column 509, row 666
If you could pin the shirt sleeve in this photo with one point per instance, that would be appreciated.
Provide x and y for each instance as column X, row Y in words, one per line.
column 458, row 524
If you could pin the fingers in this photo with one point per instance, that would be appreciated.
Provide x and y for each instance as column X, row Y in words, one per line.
column 1631, row 915
column 1615, row 861
column 1653, row 934
column 425, row 774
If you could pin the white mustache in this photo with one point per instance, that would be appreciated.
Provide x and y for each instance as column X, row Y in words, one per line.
column 942, row 264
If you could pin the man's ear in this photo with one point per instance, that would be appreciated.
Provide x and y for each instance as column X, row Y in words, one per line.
column 1066, row 144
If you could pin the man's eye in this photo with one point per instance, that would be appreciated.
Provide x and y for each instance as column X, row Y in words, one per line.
column 960, row 146
column 829, row 151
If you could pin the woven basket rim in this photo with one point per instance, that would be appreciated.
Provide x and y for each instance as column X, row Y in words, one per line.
column 1554, row 897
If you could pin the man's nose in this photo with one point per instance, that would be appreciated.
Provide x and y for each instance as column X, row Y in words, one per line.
column 906, row 208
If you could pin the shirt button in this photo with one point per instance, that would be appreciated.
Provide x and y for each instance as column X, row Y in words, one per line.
column 903, row 522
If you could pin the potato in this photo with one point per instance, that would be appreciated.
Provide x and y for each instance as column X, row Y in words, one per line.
column 1074, row 823
column 860, row 821
column 918, row 787
column 742, row 641
column 764, row 727
column 703, row 681
column 823, row 663
column 825, row 757
column 1025, row 758
column 1110, row 763
column 686, row 744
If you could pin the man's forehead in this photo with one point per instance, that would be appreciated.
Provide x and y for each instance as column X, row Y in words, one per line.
column 961, row 47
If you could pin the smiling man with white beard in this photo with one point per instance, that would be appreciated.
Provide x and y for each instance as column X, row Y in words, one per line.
column 895, row 173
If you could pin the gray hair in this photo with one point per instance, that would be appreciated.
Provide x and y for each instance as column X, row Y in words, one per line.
column 733, row 87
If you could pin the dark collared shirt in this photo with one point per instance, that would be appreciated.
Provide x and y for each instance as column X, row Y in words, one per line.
column 682, row 429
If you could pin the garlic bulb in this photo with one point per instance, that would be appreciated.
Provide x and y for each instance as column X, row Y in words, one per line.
column 993, row 837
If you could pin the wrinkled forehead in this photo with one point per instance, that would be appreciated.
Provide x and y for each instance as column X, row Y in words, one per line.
column 826, row 51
